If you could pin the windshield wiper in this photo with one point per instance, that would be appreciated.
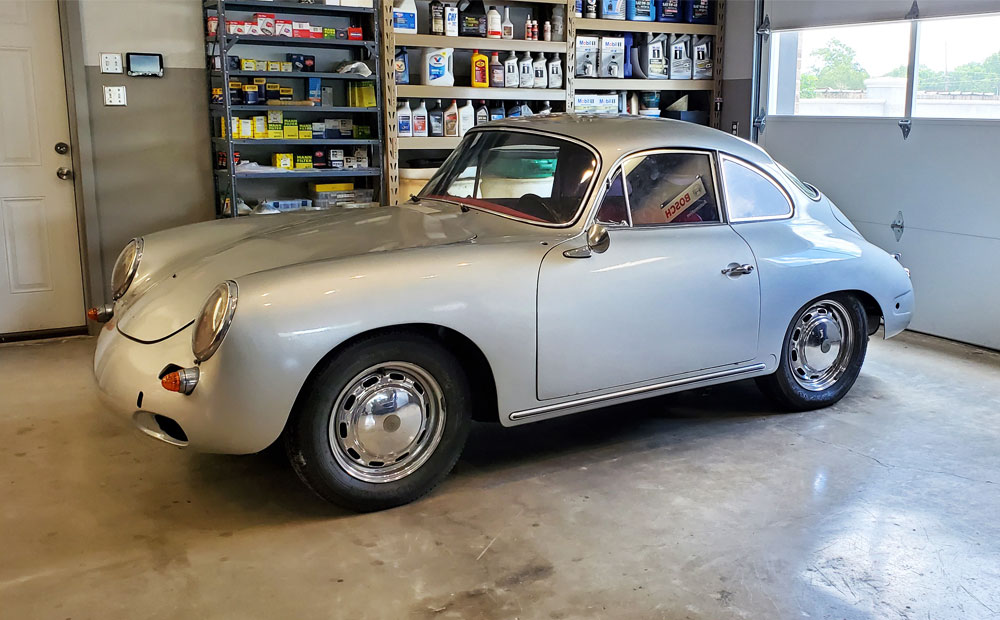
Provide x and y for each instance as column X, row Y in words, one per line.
column 465, row 208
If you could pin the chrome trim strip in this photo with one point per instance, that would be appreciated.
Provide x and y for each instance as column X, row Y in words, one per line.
column 527, row 413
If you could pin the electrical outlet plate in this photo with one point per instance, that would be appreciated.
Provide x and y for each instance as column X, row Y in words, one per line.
column 111, row 63
column 114, row 95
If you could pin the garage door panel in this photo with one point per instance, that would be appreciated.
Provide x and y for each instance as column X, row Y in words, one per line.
column 787, row 14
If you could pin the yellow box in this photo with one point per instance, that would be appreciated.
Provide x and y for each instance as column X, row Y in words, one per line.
column 290, row 129
column 305, row 133
column 259, row 127
column 272, row 90
column 273, row 66
column 246, row 128
column 286, row 67
column 276, row 116
column 333, row 187
column 247, row 64
column 285, row 93
column 282, row 160
column 303, row 161
column 275, row 131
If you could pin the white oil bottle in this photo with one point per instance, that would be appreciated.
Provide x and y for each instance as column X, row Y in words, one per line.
column 466, row 117
column 525, row 72
column 404, row 120
column 510, row 79
column 555, row 72
column 420, row 121
column 539, row 77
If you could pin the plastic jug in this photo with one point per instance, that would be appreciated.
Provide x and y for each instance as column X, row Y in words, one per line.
column 439, row 66
column 404, row 16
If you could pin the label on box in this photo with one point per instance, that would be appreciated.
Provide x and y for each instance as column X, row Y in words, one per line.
column 303, row 161
column 586, row 56
column 246, row 128
column 259, row 127
column 283, row 27
column 275, row 116
column 612, row 57
column 305, row 134
column 596, row 104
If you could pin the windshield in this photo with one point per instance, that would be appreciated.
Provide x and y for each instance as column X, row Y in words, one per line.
column 517, row 174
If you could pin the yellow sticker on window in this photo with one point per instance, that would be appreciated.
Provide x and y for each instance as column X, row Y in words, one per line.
column 673, row 208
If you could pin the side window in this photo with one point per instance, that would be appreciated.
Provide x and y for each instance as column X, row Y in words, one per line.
column 671, row 188
column 614, row 210
column 751, row 195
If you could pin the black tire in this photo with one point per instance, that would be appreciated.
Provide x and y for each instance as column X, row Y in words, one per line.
column 310, row 447
column 789, row 392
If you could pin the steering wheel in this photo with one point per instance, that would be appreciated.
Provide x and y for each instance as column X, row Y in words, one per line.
column 533, row 201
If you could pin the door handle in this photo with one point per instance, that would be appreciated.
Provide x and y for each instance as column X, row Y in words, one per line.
column 64, row 173
column 736, row 269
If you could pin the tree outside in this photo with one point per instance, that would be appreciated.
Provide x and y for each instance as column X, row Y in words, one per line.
column 838, row 70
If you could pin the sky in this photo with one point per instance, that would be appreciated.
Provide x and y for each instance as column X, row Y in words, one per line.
column 883, row 47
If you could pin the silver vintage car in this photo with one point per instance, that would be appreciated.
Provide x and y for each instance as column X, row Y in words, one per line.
column 367, row 340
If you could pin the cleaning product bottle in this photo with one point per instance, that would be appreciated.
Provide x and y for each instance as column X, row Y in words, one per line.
column 514, row 110
column 559, row 23
column 546, row 108
column 466, row 117
column 668, row 10
column 438, row 65
column 420, row 121
column 510, row 79
column 555, row 72
column 496, row 71
column 435, row 120
column 482, row 113
column 437, row 17
column 451, row 119
column 539, row 70
column 450, row 21
column 496, row 112
column 507, row 27
column 404, row 16
column 493, row 27
column 480, row 70
column 402, row 66
column 639, row 10
column 404, row 120
column 525, row 72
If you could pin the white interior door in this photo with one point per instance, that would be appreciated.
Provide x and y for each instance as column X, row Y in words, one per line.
column 41, row 284
column 932, row 197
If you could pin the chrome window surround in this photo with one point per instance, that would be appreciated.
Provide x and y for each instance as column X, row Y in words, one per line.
column 548, row 134
column 768, row 177
column 618, row 166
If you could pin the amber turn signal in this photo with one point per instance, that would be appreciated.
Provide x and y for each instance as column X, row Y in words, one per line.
column 182, row 381
column 101, row 314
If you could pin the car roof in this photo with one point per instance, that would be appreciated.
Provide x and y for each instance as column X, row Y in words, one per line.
column 615, row 135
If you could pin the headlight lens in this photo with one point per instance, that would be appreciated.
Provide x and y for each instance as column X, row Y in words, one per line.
column 213, row 323
column 125, row 268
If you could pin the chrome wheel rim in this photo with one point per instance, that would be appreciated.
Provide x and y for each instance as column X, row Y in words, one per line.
column 387, row 422
column 819, row 349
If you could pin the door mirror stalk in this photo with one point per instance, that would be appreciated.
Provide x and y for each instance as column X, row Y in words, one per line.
column 598, row 241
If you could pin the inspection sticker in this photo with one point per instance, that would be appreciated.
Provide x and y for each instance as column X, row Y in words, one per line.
column 673, row 208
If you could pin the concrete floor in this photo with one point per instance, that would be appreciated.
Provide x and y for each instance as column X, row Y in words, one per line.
column 699, row 505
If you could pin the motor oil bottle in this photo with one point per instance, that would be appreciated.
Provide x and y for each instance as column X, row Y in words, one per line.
column 482, row 113
column 668, row 10
column 540, row 79
column 435, row 120
column 698, row 11
column 437, row 17
column 472, row 21
column 701, row 55
column 401, row 66
column 496, row 112
column 404, row 120
column 555, row 79
column 640, row 10
column 612, row 9
column 510, row 79
column 653, row 57
column 420, row 121
column 451, row 119
column 480, row 70
column 514, row 110
column 439, row 66
column 680, row 57
column 546, row 108
column 525, row 72
column 466, row 117
column 496, row 71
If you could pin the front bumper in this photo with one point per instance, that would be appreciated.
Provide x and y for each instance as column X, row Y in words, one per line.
column 211, row 419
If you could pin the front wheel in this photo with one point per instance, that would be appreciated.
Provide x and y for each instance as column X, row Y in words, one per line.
column 822, row 354
column 382, row 423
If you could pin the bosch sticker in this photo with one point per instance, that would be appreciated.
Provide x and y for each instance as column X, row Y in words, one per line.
column 673, row 208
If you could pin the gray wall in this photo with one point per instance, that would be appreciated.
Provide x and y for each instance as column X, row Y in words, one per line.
column 152, row 159
column 737, row 66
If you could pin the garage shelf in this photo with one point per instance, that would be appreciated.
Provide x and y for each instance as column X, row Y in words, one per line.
column 290, row 8
column 630, row 84
column 446, row 143
column 302, row 142
column 479, row 43
column 308, row 173
column 616, row 25
column 256, row 39
column 298, row 74
column 292, row 108
column 468, row 92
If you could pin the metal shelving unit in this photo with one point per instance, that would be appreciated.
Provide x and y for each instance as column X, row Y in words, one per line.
column 223, row 45
column 467, row 92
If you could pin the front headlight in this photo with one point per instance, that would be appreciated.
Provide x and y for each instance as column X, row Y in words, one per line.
column 125, row 268
column 213, row 323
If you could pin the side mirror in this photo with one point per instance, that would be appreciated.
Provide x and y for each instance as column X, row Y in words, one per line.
column 598, row 241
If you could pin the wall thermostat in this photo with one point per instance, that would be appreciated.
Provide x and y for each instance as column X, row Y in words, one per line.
column 144, row 65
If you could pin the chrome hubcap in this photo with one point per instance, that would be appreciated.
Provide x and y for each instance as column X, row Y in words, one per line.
column 387, row 422
column 819, row 350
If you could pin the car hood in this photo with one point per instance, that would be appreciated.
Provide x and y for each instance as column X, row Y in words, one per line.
column 180, row 267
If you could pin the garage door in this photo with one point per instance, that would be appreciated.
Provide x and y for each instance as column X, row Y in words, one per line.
column 893, row 110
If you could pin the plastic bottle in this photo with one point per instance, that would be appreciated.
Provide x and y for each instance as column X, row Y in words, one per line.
column 507, row 27
column 526, row 109
column 640, row 10
column 438, row 66
column 590, row 9
column 514, row 110
column 404, row 16
column 668, row 10
column 534, row 30
column 451, row 21
column 510, row 79
column 401, row 66
column 546, row 108
column 466, row 117
column 527, row 28
column 558, row 23
column 480, row 70
column 435, row 120
column 482, row 113
column 420, row 121
column 451, row 119
column 525, row 72
column 555, row 72
column 496, row 112
column 472, row 21
column 698, row 11
column 404, row 120
column 578, row 9
column 540, row 78
column 547, row 31
column 496, row 71
column 437, row 17
column 493, row 24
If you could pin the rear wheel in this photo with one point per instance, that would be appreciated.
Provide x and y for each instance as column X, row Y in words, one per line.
column 382, row 423
column 822, row 354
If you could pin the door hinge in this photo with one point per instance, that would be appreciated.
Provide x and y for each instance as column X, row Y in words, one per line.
column 914, row 12
column 760, row 121
column 764, row 29
column 897, row 225
column 905, row 125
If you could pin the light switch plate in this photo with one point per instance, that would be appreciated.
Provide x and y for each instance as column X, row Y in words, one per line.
column 114, row 95
column 111, row 63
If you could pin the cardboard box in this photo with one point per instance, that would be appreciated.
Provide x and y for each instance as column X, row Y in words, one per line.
column 282, row 160
column 612, row 57
column 350, row 163
column 329, row 33
column 283, row 27
column 247, row 64
column 335, row 161
column 286, row 67
column 354, row 33
column 273, row 91
column 313, row 90
column 275, row 131
column 361, row 156
column 273, row 66
column 316, row 32
column 587, row 51
column 319, row 129
column 265, row 21
column 596, row 104
column 301, row 30
column 276, row 116
column 259, row 127
column 246, row 128
column 305, row 133
column 285, row 93
column 303, row 161
column 290, row 129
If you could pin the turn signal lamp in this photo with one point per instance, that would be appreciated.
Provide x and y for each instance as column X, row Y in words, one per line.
column 101, row 314
column 182, row 381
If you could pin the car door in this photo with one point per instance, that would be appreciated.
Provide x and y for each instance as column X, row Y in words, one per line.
column 663, row 299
